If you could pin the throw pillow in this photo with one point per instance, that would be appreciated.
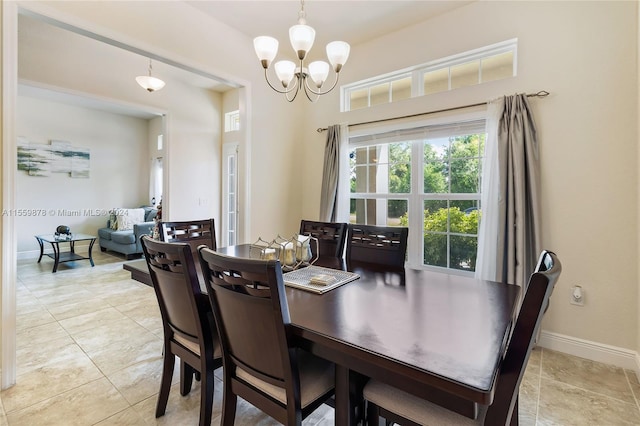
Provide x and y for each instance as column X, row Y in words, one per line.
column 113, row 220
column 128, row 218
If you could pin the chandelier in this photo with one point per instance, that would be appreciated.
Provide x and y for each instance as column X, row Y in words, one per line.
column 301, row 37
column 148, row 82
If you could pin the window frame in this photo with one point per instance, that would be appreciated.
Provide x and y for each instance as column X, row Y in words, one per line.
column 418, row 72
column 416, row 197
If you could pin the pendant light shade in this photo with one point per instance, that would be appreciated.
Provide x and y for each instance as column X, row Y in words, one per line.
column 148, row 82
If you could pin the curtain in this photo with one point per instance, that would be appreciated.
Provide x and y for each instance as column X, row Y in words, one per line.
column 329, row 204
column 510, row 247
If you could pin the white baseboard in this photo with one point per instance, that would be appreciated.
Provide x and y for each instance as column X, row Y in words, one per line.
column 600, row 352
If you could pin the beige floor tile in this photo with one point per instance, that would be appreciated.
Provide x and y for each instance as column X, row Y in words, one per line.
column 61, row 312
column 88, row 321
column 82, row 406
column 597, row 377
column 632, row 377
column 32, row 357
column 567, row 405
column 33, row 319
column 142, row 380
column 181, row 410
column 105, row 334
column 526, row 418
column 3, row 415
column 530, row 389
column 128, row 417
column 121, row 354
column 72, row 368
column 40, row 334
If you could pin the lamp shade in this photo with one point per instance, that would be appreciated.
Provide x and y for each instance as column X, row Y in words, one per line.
column 319, row 71
column 302, row 37
column 266, row 48
column 151, row 84
column 338, row 53
column 285, row 71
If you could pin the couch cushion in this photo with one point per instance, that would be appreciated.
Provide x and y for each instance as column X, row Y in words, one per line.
column 123, row 237
column 128, row 217
column 105, row 233
column 149, row 214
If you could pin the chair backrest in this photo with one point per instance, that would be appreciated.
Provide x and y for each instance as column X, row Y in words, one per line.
column 192, row 232
column 251, row 312
column 535, row 302
column 175, row 282
column 382, row 245
column 331, row 237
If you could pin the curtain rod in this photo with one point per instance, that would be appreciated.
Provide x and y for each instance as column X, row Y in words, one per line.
column 540, row 94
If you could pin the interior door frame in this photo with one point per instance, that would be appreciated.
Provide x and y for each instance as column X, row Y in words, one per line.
column 9, row 85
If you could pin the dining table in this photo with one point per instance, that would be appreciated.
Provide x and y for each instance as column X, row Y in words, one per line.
column 439, row 336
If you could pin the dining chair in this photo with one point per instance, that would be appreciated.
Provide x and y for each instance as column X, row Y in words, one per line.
column 192, row 232
column 187, row 320
column 400, row 407
column 331, row 237
column 382, row 245
column 261, row 362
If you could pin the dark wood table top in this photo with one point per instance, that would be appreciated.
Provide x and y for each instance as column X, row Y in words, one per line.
column 417, row 330
column 425, row 327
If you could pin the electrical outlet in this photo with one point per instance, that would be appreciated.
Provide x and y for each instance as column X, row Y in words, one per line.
column 577, row 295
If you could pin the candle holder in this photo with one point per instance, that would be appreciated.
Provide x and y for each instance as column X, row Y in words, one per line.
column 293, row 253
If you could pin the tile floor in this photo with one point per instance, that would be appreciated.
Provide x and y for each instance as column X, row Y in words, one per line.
column 89, row 352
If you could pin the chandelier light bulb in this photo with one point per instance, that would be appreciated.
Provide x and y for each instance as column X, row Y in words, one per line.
column 285, row 71
column 319, row 71
column 266, row 48
column 338, row 53
column 302, row 37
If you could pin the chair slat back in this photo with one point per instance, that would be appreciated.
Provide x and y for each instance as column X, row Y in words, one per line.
column 331, row 237
column 251, row 311
column 175, row 282
column 194, row 233
column 526, row 328
column 383, row 245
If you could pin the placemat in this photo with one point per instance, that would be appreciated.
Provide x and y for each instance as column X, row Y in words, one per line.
column 302, row 278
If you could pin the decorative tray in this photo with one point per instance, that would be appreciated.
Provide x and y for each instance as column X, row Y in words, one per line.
column 318, row 279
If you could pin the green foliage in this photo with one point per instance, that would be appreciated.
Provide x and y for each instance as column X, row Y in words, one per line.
column 463, row 248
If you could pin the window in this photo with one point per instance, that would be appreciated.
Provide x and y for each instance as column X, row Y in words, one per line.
column 494, row 62
column 232, row 121
column 426, row 178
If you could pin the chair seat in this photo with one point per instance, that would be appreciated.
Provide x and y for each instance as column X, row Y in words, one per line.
column 316, row 378
column 415, row 409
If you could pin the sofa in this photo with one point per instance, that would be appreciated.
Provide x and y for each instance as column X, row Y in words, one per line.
column 124, row 229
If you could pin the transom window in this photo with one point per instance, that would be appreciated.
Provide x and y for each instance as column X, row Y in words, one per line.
column 232, row 121
column 426, row 178
column 489, row 63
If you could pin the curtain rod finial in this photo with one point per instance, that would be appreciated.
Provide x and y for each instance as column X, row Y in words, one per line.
column 320, row 129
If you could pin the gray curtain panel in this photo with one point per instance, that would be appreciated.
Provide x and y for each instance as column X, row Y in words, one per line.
column 329, row 195
column 519, row 197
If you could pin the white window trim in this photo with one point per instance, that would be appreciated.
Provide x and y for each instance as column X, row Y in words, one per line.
column 417, row 72
column 415, row 198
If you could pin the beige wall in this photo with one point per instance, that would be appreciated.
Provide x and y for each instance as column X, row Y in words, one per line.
column 275, row 125
column 118, row 174
column 587, row 131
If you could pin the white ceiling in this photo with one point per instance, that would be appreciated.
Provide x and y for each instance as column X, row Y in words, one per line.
column 353, row 21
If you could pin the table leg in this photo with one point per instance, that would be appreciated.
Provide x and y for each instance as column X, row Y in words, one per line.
column 56, row 256
column 344, row 415
column 91, row 248
column 41, row 244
